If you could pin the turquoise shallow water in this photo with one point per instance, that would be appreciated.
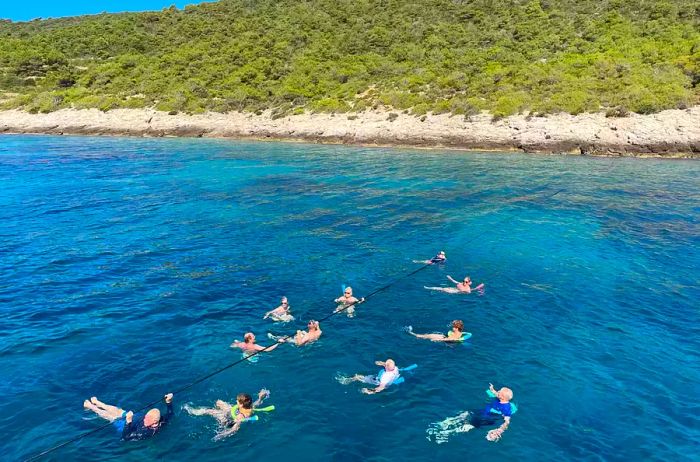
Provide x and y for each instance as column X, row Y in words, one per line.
column 128, row 266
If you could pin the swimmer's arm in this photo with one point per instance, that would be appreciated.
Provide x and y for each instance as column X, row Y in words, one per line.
column 379, row 389
column 268, row 348
column 504, row 426
column 128, row 425
column 169, row 405
column 228, row 432
column 262, row 394
column 450, row 278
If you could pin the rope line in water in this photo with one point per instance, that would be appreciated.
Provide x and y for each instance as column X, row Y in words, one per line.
column 285, row 338
column 224, row 368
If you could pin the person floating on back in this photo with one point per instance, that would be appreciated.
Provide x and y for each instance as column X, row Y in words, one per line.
column 143, row 427
column 281, row 313
column 457, row 333
column 464, row 287
column 498, row 411
column 499, row 406
column 248, row 344
column 230, row 417
column 347, row 302
column 302, row 337
column 381, row 381
column 439, row 258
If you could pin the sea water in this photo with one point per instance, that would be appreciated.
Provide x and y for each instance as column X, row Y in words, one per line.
column 128, row 266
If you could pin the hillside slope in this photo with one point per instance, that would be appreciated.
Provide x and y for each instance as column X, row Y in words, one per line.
column 459, row 56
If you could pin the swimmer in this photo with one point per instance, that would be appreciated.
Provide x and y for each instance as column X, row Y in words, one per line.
column 454, row 335
column 302, row 337
column 439, row 258
column 464, row 287
column 391, row 373
column 143, row 428
column 499, row 407
column 248, row 344
column 230, row 417
column 281, row 313
column 347, row 302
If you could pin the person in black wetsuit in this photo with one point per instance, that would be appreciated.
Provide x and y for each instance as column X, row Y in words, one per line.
column 437, row 259
column 143, row 427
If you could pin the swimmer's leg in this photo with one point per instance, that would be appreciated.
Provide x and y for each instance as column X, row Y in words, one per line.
column 447, row 290
column 369, row 379
column 440, row 432
column 479, row 420
column 357, row 378
column 430, row 336
column 107, row 415
column 223, row 405
column 198, row 411
column 106, row 407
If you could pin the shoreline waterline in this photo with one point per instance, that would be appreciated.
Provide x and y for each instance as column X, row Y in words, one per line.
column 668, row 134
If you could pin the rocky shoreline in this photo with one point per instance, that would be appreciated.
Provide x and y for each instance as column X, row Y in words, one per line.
column 668, row 134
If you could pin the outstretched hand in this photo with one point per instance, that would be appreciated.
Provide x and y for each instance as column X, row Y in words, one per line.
column 129, row 417
column 367, row 391
column 494, row 435
column 264, row 393
column 168, row 398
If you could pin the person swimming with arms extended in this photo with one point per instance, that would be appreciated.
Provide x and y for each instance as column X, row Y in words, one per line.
column 146, row 427
column 347, row 302
column 437, row 259
column 249, row 346
column 456, row 334
column 230, row 417
column 464, row 287
column 301, row 337
column 281, row 313
column 499, row 407
column 381, row 381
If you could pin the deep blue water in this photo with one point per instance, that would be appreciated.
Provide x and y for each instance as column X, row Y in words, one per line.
column 128, row 266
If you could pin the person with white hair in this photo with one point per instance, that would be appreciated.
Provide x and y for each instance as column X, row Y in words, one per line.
column 381, row 381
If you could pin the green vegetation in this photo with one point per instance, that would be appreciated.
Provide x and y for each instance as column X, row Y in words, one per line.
column 440, row 56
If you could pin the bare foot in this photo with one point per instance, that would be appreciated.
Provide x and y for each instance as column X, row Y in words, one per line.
column 87, row 404
column 94, row 400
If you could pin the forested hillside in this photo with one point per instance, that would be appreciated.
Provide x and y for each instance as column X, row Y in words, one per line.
column 459, row 56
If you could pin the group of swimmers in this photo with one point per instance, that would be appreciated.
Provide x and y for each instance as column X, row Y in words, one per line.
column 231, row 416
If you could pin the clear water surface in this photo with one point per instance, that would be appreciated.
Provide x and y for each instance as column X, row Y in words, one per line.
column 128, row 266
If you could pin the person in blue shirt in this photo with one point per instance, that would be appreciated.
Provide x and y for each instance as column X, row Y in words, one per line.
column 498, row 411
column 144, row 427
column 499, row 407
